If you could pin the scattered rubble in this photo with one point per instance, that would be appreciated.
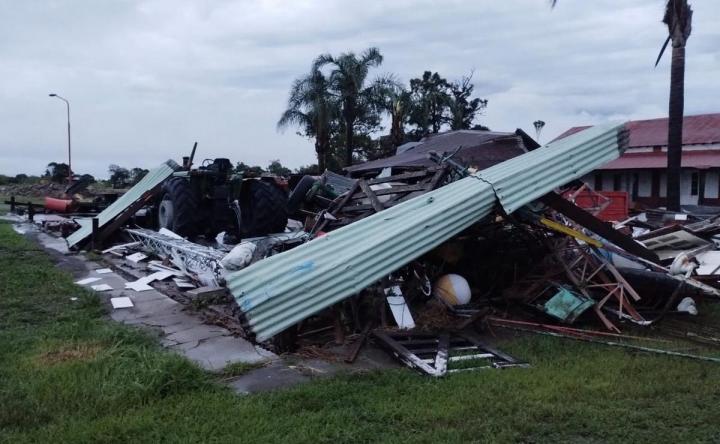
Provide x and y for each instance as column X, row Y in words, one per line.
column 419, row 253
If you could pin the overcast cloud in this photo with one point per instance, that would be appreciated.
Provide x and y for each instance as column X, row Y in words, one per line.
column 148, row 78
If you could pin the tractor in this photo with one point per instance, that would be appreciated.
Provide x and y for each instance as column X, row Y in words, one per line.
column 212, row 199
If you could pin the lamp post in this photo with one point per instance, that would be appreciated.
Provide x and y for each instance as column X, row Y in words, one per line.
column 68, row 125
column 539, row 125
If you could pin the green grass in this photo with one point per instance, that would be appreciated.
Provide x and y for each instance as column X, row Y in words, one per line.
column 69, row 375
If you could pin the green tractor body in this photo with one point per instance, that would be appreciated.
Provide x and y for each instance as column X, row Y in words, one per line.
column 211, row 199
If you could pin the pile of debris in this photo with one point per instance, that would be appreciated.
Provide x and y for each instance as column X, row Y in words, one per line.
column 419, row 254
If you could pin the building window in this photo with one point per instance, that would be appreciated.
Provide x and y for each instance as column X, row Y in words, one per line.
column 598, row 181
column 617, row 182
column 694, row 184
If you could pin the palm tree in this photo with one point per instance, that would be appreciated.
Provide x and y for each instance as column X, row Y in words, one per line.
column 678, row 18
column 392, row 98
column 312, row 108
column 347, row 79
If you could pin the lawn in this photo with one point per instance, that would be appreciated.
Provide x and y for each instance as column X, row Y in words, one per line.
column 67, row 374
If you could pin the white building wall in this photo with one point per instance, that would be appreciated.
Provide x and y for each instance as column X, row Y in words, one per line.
column 712, row 182
column 686, row 198
column 645, row 184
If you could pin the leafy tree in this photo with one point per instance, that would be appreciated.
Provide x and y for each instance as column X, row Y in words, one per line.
column 136, row 175
column 348, row 81
column 313, row 108
column 119, row 176
column 377, row 148
column 249, row 171
column 430, row 97
column 312, row 170
column 87, row 178
column 20, row 178
column 57, row 172
column 278, row 169
column 463, row 109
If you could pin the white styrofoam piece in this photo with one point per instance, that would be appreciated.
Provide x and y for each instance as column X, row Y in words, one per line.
column 136, row 257
column 121, row 302
column 101, row 287
column 103, row 271
column 87, row 281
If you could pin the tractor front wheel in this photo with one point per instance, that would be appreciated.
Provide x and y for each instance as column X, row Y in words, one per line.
column 178, row 208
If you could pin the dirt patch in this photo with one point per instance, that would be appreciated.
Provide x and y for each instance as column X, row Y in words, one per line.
column 82, row 352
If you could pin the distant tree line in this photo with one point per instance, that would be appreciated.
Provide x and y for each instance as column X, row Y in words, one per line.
column 338, row 106
column 274, row 168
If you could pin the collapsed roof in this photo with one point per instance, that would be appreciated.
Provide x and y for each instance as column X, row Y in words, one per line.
column 477, row 149
column 286, row 288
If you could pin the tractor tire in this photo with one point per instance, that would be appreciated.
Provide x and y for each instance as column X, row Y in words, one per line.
column 299, row 193
column 178, row 209
column 263, row 210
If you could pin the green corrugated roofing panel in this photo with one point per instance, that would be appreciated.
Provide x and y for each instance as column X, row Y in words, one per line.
column 152, row 179
column 518, row 182
column 280, row 291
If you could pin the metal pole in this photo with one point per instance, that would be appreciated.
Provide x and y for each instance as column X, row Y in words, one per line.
column 67, row 104
column 70, row 173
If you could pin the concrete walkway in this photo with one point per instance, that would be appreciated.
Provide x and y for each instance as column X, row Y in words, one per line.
column 211, row 346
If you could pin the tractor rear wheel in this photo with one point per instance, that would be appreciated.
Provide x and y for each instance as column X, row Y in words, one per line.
column 178, row 208
column 264, row 209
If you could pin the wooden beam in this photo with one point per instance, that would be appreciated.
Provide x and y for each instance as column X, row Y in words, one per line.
column 597, row 226
column 377, row 206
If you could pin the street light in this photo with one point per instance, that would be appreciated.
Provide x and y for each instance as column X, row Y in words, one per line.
column 539, row 125
column 69, row 150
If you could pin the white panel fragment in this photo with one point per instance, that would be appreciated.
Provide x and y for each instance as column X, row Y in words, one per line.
column 101, row 287
column 136, row 257
column 399, row 308
column 122, row 302
column 87, row 281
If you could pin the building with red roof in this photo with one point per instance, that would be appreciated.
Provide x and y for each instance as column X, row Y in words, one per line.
column 641, row 171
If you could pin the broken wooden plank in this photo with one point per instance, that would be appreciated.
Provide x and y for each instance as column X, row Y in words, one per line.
column 377, row 206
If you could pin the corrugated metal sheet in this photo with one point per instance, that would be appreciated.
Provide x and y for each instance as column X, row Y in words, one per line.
column 524, row 179
column 281, row 290
column 150, row 181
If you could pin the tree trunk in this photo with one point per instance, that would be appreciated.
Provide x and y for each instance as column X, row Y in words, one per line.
column 675, row 127
column 321, row 151
column 349, row 115
column 397, row 134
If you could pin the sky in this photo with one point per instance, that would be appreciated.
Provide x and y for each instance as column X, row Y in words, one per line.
column 147, row 78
